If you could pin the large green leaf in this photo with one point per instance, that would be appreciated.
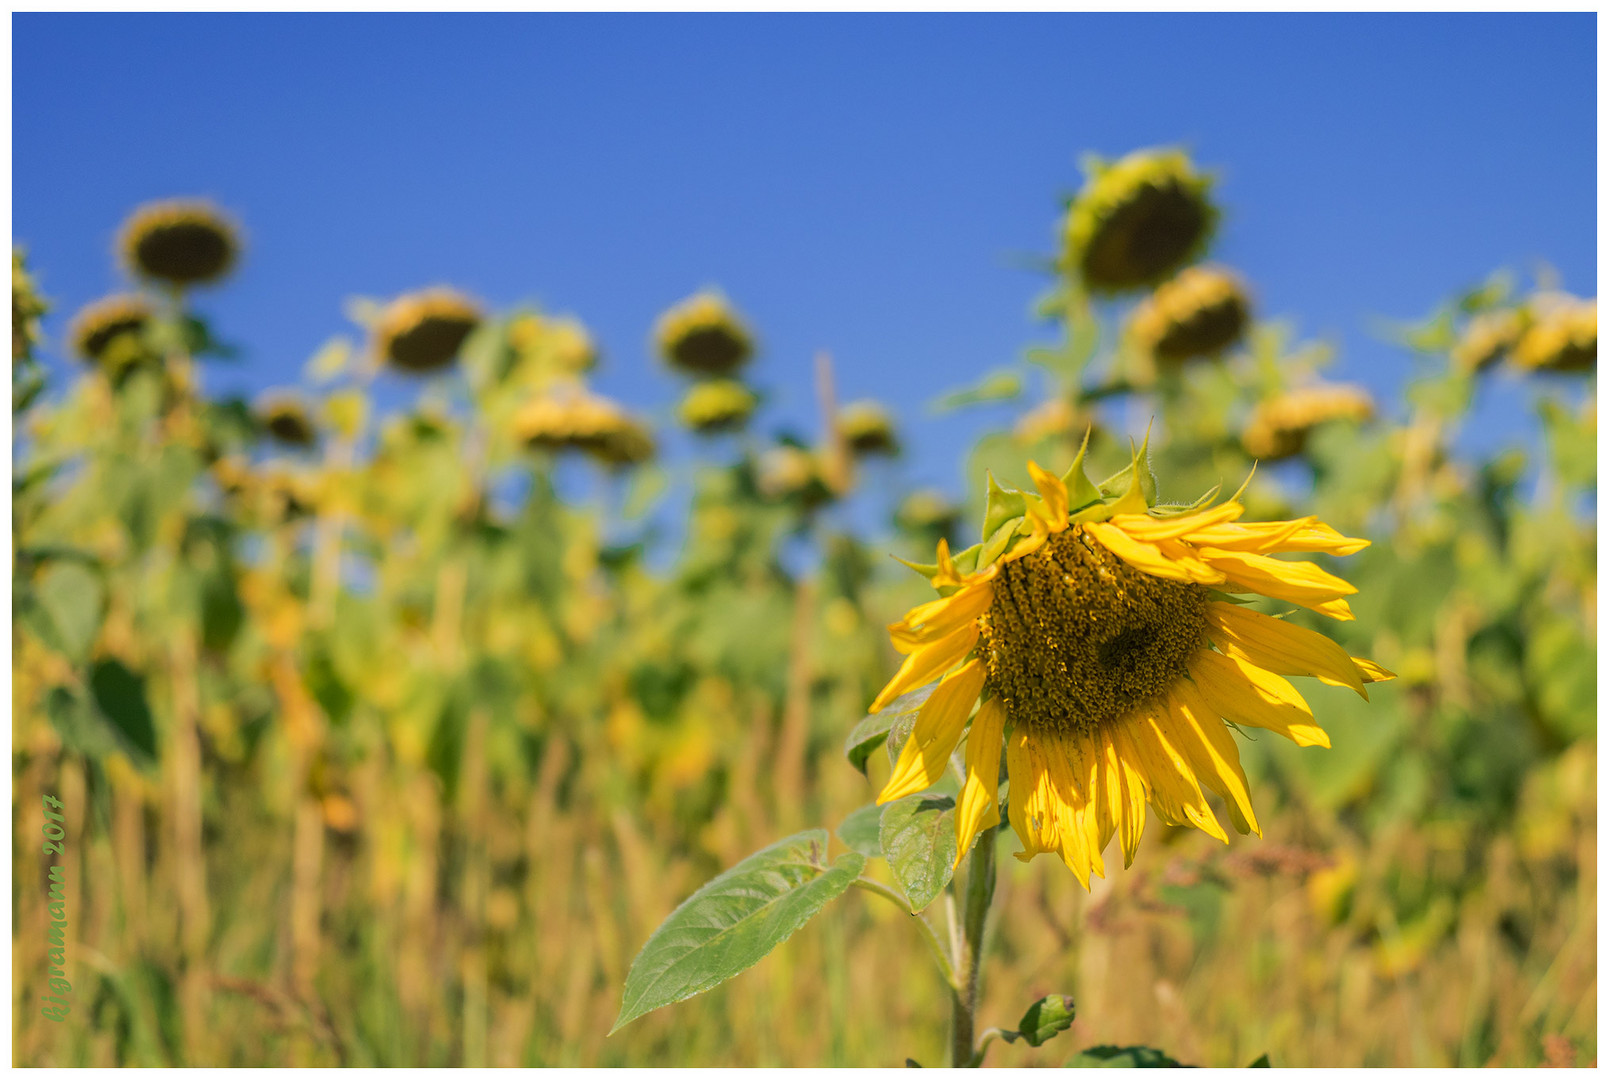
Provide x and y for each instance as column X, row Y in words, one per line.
column 120, row 695
column 873, row 730
column 72, row 596
column 731, row 923
column 918, row 839
column 1123, row 1057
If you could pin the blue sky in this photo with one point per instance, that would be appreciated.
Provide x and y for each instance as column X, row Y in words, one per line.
column 864, row 184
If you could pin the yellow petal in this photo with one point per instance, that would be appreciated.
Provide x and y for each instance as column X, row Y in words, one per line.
column 925, row 664
column 935, row 734
column 1281, row 647
column 1150, row 529
column 1211, row 751
column 1147, row 558
column 1129, row 811
column 1174, row 790
column 979, row 807
column 934, row 619
column 1054, row 494
column 1371, row 671
column 1299, row 582
column 1033, row 807
column 1246, row 694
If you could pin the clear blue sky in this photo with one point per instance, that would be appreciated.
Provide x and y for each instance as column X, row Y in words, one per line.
column 859, row 183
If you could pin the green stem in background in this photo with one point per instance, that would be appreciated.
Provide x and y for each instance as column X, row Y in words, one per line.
column 964, row 1001
column 946, row 965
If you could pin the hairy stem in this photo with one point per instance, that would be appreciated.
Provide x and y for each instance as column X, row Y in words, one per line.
column 964, row 999
column 946, row 965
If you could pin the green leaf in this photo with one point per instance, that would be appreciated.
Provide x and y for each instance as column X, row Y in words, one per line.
column 71, row 595
column 1123, row 1057
column 731, row 923
column 860, row 831
column 331, row 360
column 81, row 729
column 1044, row 1020
column 918, row 839
column 999, row 385
column 120, row 696
column 1260, row 1063
column 870, row 733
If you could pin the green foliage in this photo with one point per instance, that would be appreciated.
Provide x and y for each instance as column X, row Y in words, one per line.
column 1044, row 1020
column 1122, row 1057
column 917, row 837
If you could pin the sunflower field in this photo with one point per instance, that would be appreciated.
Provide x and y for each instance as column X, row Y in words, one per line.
column 362, row 734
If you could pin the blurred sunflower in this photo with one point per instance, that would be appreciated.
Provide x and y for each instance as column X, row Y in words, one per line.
column 285, row 416
column 1278, row 428
column 1137, row 220
column 1202, row 311
column 703, row 336
column 103, row 323
column 867, row 428
column 1109, row 653
column 423, row 331
column 574, row 419
column 180, row 241
column 716, row 405
column 1563, row 335
column 1488, row 337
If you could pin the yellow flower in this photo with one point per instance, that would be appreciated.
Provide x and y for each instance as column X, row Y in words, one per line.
column 179, row 241
column 717, row 405
column 702, row 335
column 1108, row 653
column 1563, row 335
column 105, row 322
column 867, row 428
column 423, row 331
column 1138, row 220
column 285, row 416
column 1278, row 428
column 1200, row 312
column 573, row 419
column 1487, row 338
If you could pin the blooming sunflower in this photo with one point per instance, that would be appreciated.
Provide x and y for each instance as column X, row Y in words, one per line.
column 180, row 241
column 1104, row 640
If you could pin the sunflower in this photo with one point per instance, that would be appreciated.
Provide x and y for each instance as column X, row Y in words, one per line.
column 106, row 322
column 286, row 417
column 574, row 419
column 1108, row 651
column 716, row 405
column 703, row 336
column 1137, row 220
column 1487, row 339
column 1278, row 428
column 423, row 331
column 867, row 428
column 1202, row 311
column 1563, row 335
column 180, row 241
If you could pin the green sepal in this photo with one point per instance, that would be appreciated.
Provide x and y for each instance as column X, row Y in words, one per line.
column 997, row 544
column 1137, row 482
column 967, row 561
column 927, row 570
column 1080, row 492
column 1003, row 505
column 1168, row 510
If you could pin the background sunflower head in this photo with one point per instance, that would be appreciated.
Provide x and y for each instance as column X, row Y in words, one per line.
column 1137, row 220
column 180, row 242
column 422, row 332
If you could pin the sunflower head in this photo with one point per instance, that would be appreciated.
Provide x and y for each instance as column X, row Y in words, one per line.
column 26, row 308
column 703, row 336
column 561, row 346
column 422, row 332
column 1102, row 634
column 1137, row 220
column 1489, row 337
column 180, row 242
column 111, row 331
column 285, row 416
column 1279, row 427
column 716, row 405
column 788, row 472
column 574, row 419
column 1200, row 312
column 1563, row 335
column 868, row 429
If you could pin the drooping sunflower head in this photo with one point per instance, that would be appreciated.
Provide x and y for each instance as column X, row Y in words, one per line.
column 1201, row 312
column 1137, row 220
column 573, row 419
column 180, row 242
column 1107, row 640
column 703, row 336
column 867, row 428
column 1278, row 428
column 110, row 330
column 422, row 332
column 1563, row 335
column 1489, row 337
column 286, row 417
column 716, row 405
column 559, row 346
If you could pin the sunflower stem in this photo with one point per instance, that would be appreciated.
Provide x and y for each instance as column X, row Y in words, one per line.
column 946, row 965
column 964, row 997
